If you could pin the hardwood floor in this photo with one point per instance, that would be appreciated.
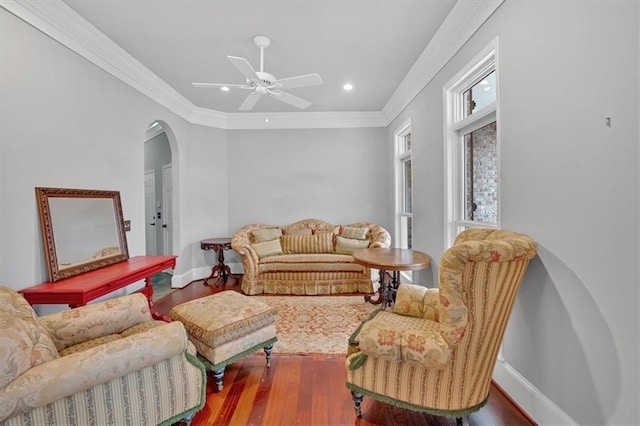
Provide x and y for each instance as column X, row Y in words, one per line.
column 309, row 389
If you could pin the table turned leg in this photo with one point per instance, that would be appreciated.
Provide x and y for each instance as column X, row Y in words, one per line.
column 381, row 291
column 147, row 290
column 220, row 270
column 392, row 289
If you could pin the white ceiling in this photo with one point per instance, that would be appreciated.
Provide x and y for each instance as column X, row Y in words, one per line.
column 372, row 44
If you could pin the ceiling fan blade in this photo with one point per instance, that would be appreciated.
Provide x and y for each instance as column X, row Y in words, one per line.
column 299, row 81
column 289, row 99
column 244, row 67
column 239, row 86
column 250, row 102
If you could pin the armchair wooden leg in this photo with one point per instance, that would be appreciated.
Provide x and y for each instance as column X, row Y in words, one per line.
column 267, row 352
column 357, row 402
column 217, row 374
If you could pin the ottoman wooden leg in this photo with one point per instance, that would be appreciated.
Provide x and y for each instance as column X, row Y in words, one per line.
column 217, row 374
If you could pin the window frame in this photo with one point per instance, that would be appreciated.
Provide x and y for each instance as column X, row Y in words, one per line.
column 400, row 158
column 456, row 126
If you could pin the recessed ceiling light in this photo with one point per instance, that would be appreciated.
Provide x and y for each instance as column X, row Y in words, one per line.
column 348, row 87
column 224, row 88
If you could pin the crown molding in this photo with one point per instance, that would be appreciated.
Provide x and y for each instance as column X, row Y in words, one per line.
column 60, row 22
column 465, row 18
column 208, row 117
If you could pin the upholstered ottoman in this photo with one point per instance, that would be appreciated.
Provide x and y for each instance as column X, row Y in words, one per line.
column 227, row 326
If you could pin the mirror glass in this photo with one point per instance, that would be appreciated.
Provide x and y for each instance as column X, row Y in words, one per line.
column 82, row 230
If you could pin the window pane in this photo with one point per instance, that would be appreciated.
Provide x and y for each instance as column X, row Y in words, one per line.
column 406, row 143
column 406, row 237
column 406, row 176
column 481, row 178
column 481, row 94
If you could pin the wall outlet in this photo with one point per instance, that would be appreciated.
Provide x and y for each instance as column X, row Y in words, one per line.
column 127, row 225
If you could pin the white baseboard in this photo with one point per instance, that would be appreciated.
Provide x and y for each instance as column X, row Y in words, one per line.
column 181, row 280
column 536, row 404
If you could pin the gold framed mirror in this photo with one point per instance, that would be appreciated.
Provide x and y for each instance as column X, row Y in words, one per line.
column 82, row 230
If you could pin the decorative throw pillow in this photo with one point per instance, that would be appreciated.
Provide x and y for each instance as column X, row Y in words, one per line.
column 297, row 231
column 409, row 300
column 267, row 234
column 335, row 230
column 355, row 233
column 317, row 243
column 267, row 248
column 349, row 245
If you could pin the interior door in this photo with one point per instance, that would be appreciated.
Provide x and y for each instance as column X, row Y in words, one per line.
column 167, row 204
column 150, row 212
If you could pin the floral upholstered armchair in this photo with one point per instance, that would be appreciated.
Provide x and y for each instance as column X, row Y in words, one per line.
column 436, row 350
column 107, row 363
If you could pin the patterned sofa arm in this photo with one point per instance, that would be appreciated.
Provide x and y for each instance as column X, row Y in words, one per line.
column 68, row 375
column 241, row 243
column 378, row 236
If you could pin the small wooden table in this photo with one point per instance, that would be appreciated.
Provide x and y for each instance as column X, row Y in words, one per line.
column 219, row 245
column 390, row 259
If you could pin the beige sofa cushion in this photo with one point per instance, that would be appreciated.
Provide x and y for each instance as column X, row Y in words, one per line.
column 409, row 300
column 321, row 262
column 349, row 245
column 354, row 233
column 267, row 248
column 267, row 234
column 317, row 243
column 403, row 338
column 335, row 230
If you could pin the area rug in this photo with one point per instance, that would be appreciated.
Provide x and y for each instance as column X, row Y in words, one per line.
column 316, row 324
column 161, row 285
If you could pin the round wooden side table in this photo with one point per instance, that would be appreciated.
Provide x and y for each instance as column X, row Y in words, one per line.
column 219, row 245
column 390, row 259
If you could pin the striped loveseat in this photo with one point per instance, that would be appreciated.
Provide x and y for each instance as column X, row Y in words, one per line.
column 308, row 257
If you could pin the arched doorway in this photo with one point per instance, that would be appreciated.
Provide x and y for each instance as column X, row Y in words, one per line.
column 158, row 191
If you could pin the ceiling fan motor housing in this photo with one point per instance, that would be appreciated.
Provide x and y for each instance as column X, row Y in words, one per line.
column 265, row 77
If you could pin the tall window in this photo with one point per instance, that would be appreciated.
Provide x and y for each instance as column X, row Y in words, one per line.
column 404, row 232
column 471, row 139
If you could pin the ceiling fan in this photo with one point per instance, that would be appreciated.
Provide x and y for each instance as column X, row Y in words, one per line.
column 262, row 83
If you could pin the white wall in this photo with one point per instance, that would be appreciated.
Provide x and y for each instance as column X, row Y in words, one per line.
column 281, row 176
column 572, row 184
column 204, row 210
column 66, row 123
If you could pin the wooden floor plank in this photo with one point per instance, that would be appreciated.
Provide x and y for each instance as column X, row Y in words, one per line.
column 310, row 390
column 249, row 389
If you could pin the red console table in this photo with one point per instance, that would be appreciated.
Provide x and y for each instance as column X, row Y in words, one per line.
column 83, row 288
